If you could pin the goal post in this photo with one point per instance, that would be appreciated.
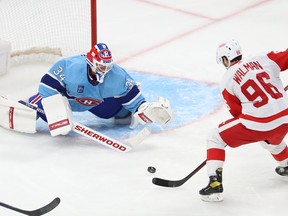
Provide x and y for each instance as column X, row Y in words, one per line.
column 93, row 6
column 67, row 27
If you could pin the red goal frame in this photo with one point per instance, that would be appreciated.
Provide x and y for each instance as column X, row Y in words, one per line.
column 93, row 5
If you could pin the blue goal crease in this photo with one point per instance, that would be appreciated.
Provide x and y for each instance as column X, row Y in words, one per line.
column 190, row 100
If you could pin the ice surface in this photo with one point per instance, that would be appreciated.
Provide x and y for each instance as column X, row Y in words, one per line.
column 175, row 39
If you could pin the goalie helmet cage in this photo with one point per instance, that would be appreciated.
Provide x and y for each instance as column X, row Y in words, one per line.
column 49, row 27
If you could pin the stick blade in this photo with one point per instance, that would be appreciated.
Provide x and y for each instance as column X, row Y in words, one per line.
column 45, row 209
column 165, row 183
column 38, row 212
column 177, row 183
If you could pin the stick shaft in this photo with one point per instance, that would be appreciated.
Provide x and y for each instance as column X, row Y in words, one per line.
column 177, row 183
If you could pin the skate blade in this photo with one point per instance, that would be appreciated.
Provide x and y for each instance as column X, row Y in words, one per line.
column 215, row 197
column 282, row 171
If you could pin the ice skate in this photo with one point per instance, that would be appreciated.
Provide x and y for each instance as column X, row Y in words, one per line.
column 283, row 171
column 213, row 191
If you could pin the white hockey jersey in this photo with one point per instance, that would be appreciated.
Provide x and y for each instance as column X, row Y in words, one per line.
column 254, row 92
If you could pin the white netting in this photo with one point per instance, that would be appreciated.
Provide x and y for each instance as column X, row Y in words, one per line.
column 45, row 54
column 63, row 26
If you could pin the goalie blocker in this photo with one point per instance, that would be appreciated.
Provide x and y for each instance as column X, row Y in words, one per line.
column 58, row 114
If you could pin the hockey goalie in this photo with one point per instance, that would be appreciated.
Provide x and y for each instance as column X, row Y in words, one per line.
column 90, row 82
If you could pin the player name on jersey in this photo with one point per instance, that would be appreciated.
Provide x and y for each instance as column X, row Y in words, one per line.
column 240, row 73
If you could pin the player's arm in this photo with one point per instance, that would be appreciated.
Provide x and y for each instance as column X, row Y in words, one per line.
column 53, row 82
column 233, row 103
column 280, row 58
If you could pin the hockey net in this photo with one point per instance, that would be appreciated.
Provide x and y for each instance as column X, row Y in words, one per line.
column 47, row 29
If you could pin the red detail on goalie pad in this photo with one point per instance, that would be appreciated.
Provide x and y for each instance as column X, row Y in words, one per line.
column 59, row 124
column 11, row 117
column 144, row 117
column 216, row 154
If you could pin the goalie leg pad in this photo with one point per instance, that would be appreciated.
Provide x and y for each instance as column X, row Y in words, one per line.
column 18, row 117
column 58, row 114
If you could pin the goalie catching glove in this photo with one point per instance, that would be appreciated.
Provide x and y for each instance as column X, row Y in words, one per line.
column 159, row 111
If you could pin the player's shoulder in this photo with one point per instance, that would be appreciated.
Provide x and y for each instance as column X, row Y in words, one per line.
column 257, row 56
column 72, row 60
column 76, row 59
column 118, row 72
column 118, row 77
column 119, row 69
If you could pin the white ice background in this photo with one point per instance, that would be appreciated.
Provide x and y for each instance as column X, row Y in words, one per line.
column 168, row 38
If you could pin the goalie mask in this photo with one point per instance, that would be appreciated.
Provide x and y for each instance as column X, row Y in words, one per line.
column 230, row 49
column 100, row 61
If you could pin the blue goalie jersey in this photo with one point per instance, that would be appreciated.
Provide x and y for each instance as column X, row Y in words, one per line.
column 70, row 78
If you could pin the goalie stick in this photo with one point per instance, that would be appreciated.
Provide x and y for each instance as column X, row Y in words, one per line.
column 99, row 137
column 177, row 183
column 41, row 211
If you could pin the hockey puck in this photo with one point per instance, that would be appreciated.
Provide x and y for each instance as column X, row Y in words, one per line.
column 151, row 169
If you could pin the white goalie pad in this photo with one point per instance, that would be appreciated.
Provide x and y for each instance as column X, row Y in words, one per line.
column 15, row 116
column 159, row 111
column 58, row 114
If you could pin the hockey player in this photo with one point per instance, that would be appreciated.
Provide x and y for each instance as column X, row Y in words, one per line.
column 258, row 103
column 93, row 83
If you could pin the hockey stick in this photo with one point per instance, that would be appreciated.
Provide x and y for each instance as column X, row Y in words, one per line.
column 177, row 183
column 99, row 137
column 41, row 211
